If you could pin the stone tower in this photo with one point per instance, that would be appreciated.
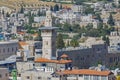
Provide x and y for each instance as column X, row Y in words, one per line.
column 116, row 2
column 48, row 34
column 48, row 20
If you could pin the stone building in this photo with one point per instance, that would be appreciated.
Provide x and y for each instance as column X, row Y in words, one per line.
column 114, row 42
column 8, row 48
column 47, row 63
column 43, row 66
column 86, row 74
column 113, row 60
column 29, row 49
column 34, row 74
column 49, row 38
column 49, row 67
column 77, row 8
column 84, row 57
column 4, row 74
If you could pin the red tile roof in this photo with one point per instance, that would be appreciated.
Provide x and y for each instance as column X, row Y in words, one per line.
column 44, row 60
column 22, row 43
column 64, row 61
column 86, row 72
column 21, row 33
column 35, row 35
column 64, row 56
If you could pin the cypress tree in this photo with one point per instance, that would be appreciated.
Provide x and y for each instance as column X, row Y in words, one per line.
column 60, row 42
column 99, row 18
column 51, row 8
column 21, row 9
column 60, row 6
column 56, row 8
column 111, row 21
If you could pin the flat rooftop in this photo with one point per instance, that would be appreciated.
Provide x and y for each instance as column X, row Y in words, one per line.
column 8, row 42
column 48, row 28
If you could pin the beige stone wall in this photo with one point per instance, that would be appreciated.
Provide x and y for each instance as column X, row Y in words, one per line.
column 52, row 65
column 23, row 66
column 4, row 74
column 36, row 75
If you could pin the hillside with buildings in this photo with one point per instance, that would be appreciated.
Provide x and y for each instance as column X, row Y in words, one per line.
column 17, row 4
column 59, row 40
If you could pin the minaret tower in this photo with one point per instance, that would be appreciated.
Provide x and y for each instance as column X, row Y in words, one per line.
column 48, row 20
column 48, row 34
column 116, row 2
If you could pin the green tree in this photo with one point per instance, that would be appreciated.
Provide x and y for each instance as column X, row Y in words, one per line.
column 61, row 6
column 89, row 10
column 67, row 44
column 21, row 9
column 93, row 33
column 51, row 8
column 99, row 17
column 7, row 14
column 74, row 43
column 75, row 28
column 111, row 20
column 60, row 42
column 114, row 5
column 38, row 38
column 89, row 26
column 106, row 39
column 39, row 13
column 31, row 19
column 67, row 27
column 79, row 2
column 100, row 26
column 3, row 11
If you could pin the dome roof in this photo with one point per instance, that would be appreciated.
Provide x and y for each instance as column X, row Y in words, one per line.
column 64, row 56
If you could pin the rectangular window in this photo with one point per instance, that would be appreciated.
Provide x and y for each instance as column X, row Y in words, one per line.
column 16, row 48
column 96, row 78
column 12, row 49
column 48, row 78
column 43, row 64
column 28, row 77
column 8, row 49
column 110, row 59
column 103, row 78
column 91, row 77
column 3, row 50
column 86, row 77
column 0, row 76
column 39, row 77
column 6, row 74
